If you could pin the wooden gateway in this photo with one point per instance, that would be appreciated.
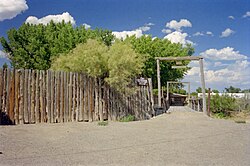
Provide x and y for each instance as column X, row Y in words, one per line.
column 177, row 99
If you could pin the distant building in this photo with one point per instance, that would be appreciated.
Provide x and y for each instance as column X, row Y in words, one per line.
column 235, row 95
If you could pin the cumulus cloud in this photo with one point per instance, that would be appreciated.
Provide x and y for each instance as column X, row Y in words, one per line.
column 2, row 54
column 87, row 26
column 227, row 53
column 178, row 37
column 209, row 33
column 227, row 32
column 246, row 15
column 167, row 31
column 198, row 34
column 56, row 18
column 178, row 25
column 137, row 32
column 124, row 34
column 145, row 28
column 231, row 17
column 220, row 73
column 231, row 74
column 11, row 8
column 237, row 72
column 149, row 24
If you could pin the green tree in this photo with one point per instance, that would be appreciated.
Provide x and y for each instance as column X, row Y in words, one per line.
column 124, row 64
column 5, row 66
column 199, row 90
column 33, row 46
column 232, row 89
column 161, row 48
column 245, row 91
column 215, row 91
column 117, row 64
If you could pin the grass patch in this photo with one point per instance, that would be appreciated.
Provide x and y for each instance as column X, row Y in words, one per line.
column 239, row 121
column 103, row 123
column 128, row 118
column 220, row 115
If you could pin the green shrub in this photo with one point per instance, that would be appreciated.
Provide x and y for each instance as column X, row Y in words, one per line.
column 222, row 106
column 103, row 123
column 128, row 118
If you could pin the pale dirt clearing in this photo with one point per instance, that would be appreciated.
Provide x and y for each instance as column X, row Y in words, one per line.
column 179, row 138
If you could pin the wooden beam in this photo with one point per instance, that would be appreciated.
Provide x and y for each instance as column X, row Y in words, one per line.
column 179, row 67
column 159, row 82
column 178, row 82
column 179, row 58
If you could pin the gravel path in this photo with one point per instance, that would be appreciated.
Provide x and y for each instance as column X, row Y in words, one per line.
column 179, row 138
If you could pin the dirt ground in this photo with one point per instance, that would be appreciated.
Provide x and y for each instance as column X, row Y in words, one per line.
column 178, row 138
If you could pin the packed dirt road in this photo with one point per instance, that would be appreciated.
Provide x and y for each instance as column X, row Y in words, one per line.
column 179, row 138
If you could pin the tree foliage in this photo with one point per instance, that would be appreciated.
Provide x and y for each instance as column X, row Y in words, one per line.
column 117, row 64
column 232, row 89
column 33, row 46
column 161, row 48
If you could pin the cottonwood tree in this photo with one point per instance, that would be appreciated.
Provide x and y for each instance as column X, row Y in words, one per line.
column 116, row 64
column 161, row 48
column 33, row 46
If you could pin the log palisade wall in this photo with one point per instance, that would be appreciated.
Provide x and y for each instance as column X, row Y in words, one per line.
column 37, row 96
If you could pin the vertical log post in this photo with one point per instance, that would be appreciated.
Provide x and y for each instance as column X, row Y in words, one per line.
column 159, row 82
column 208, row 102
column 203, row 86
column 21, row 97
column 37, row 117
column 32, row 111
column 17, row 83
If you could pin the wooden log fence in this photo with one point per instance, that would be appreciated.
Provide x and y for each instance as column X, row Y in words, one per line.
column 196, row 104
column 37, row 96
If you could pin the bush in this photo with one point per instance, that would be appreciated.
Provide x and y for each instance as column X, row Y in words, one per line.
column 222, row 106
column 128, row 118
column 116, row 64
column 103, row 123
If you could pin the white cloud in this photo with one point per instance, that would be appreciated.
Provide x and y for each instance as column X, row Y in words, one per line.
column 167, row 31
column 11, row 8
column 220, row 73
column 226, row 53
column 145, row 28
column 178, row 37
column 87, row 26
column 124, row 34
column 56, row 18
column 235, row 73
column 216, row 64
column 247, row 14
column 178, row 25
column 2, row 54
column 198, row 34
column 149, row 24
column 137, row 32
column 231, row 17
column 227, row 32
column 209, row 33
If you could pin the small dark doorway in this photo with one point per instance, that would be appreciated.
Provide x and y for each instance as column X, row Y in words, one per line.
column 177, row 99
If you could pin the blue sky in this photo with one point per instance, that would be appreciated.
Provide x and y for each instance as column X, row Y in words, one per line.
column 218, row 29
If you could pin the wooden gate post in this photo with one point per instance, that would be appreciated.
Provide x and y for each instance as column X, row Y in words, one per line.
column 159, row 82
column 203, row 86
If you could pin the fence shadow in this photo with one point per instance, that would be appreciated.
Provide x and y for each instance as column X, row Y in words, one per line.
column 5, row 119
